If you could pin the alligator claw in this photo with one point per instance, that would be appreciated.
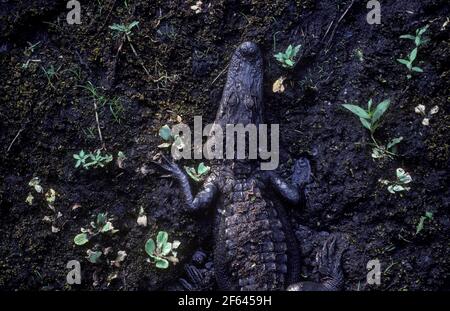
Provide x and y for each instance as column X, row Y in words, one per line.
column 196, row 279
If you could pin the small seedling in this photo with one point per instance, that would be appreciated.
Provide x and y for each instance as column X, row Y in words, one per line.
column 399, row 185
column 166, row 134
column 421, row 109
column 51, row 73
column 418, row 41
column 198, row 175
column 287, row 59
column 102, row 225
column 163, row 251
column 427, row 217
column 369, row 118
column 93, row 256
column 95, row 160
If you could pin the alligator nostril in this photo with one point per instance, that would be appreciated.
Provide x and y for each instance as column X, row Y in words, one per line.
column 248, row 49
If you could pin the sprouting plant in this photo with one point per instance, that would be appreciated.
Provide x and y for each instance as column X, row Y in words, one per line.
column 369, row 118
column 125, row 31
column 399, row 185
column 93, row 256
column 115, row 105
column 202, row 170
column 166, row 134
column 51, row 73
column 418, row 41
column 95, row 160
column 162, row 251
column 427, row 217
column 102, row 225
column 421, row 109
column 121, row 157
column 287, row 58
column 417, row 38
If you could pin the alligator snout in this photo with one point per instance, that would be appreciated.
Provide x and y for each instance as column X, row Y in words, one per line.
column 248, row 49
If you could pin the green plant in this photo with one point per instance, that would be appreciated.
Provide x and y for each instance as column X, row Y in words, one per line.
column 51, row 73
column 115, row 104
column 93, row 256
column 166, row 134
column 88, row 160
column 399, row 185
column 427, row 217
column 102, row 225
column 124, row 31
column 162, row 251
column 202, row 170
column 287, row 58
column 418, row 41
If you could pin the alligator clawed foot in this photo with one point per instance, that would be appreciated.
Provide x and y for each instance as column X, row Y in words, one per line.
column 168, row 165
column 329, row 266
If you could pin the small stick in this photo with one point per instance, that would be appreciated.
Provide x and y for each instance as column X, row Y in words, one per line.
column 98, row 124
column 17, row 135
column 215, row 79
column 337, row 24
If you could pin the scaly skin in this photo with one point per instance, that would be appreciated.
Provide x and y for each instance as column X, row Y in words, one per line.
column 255, row 248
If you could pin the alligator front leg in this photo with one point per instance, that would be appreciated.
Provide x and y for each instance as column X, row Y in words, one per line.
column 294, row 194
column 203, row 198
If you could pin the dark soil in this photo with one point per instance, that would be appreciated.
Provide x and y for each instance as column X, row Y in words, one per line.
column 186, row 54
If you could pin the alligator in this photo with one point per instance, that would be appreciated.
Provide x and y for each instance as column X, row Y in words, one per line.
column 255, row 247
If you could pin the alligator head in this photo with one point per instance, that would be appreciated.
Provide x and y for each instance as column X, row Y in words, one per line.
column 242, row 95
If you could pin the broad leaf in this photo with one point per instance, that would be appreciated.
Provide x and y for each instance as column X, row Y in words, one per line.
column 150, row 247
column 202, row 169
column 162, row 263
column 161, row 239
column 166, row 248
column 410, row 37
column 380, row 110
column 413, row 55
column 403, row 61
column 165, row 132
column 357, row 110
column 394, row 142
column 417, row 69
column 366, row 124
column 81, row 239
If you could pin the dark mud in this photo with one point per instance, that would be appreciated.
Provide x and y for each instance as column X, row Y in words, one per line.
column 186, row 54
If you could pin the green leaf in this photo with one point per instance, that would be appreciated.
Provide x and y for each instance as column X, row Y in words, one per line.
column 165, row 132
column 403, row 61
column 422, row 30
column 417, row 69
column 357, row 110
column 417, row 41
column 101, row 219
column 164, row 145
column 296, row 49
column 166, row 248
column 150, row 247
column 192, row 173
column 380, row 110
column 366, row 124
column 429, row 215
column 410, row 37
column 289, row 62
column 162, row 263
column 94, row 256
column 413, row 55
column 202, row 169
column 394, row 142
column 107, row 227
column 289, row 50
column 161, row 239
column 369, row 105
column 420, row 225
column 81, row 239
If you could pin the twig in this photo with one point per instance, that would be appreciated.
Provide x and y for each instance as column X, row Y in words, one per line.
column 337, row 24
column 221, row 73
column 17, row 135
column 98, row 124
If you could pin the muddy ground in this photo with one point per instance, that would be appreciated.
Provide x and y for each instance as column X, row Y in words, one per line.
column 343, row 59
